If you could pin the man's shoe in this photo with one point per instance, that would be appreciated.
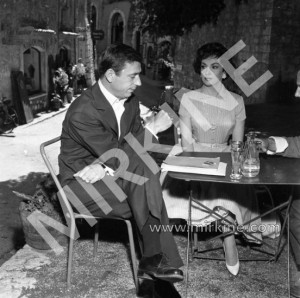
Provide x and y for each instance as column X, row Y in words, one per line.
column 295, row 289
column 157, row 266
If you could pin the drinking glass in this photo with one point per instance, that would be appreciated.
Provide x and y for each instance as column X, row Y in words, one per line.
column 237, row 155
column 251, row 163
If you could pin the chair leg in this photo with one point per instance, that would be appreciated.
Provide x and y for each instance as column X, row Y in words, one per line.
column 189, row 226
column 132, row 254
column 96, row 239
column 70, row 261
column 195, row 244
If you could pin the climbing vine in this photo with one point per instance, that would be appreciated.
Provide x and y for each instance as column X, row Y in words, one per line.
column 175, row 17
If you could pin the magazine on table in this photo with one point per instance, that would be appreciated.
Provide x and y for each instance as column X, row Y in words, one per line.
column 196, row 165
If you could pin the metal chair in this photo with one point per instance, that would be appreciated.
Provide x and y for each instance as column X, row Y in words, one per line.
column 50, row 157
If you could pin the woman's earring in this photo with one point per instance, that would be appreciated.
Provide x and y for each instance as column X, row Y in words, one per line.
column 224, row 75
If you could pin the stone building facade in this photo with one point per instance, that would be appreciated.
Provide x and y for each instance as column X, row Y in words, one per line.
column 36, row 37
column 115, row 21
column 284, row 57
column 270, row 30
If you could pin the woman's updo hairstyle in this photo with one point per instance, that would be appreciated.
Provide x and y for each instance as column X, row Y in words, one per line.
column 212, row 49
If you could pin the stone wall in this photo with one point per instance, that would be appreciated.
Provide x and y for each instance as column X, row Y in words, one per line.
column 40, row 24
column 285, row 50
column 250, row 22
column 18, row 19
column 37, row 13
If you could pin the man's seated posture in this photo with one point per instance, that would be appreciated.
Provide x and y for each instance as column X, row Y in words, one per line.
column 102, row 129
column 289, row 147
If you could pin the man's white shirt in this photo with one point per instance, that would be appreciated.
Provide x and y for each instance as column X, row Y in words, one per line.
column 118, row 108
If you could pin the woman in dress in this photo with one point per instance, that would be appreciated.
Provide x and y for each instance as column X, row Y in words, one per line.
column 208, row 117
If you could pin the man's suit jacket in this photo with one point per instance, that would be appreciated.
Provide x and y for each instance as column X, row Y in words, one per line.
column 90, row 129
column 293, row 149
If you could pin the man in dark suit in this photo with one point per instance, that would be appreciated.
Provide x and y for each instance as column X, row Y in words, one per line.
column 289, row 147
column 103, row 130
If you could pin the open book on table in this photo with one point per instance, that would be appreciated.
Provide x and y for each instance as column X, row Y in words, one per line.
column 195, row 165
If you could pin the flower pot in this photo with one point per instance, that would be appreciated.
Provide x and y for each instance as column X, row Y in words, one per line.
column 69, row 95
column 56, row 104
column 33, row 237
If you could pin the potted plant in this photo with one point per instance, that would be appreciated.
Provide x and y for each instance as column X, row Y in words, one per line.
column 61, row 83
column 44, row 200
column 56, row 102
column 70, row 94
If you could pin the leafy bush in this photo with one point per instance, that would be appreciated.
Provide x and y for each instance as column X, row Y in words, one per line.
column 174, row 17
column 44, row 199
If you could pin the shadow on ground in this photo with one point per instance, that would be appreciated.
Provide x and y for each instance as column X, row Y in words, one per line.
column 11, row 233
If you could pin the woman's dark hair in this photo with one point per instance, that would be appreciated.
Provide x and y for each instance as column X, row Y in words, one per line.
column 213, row 49
column 115, row 57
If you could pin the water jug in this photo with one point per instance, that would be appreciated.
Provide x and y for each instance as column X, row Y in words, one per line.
column 251, row 164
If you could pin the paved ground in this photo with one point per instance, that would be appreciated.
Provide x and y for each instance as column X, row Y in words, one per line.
column 22, row 168
column 31, row 273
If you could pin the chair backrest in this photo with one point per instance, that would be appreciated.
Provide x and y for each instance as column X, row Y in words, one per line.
column 50, row 151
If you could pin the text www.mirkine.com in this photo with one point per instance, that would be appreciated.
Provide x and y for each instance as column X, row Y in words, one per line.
column 262, row 228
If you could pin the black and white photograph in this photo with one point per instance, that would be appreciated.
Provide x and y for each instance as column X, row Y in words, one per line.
column 149, row 148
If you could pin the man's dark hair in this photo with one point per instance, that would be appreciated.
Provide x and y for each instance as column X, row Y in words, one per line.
column 115, row 57
column 213, row 49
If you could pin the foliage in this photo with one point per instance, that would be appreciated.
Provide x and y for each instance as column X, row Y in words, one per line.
column 44, row 199
column 78, row 70
column 38, row 201
column 56, row 101
column 174, row 17
column 61, row 77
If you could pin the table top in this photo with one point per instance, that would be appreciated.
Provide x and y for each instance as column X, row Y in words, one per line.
column 274, row 169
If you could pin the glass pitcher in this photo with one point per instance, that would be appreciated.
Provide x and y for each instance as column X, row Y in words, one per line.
column 251, row 164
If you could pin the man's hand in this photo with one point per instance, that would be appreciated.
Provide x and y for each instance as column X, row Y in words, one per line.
column 91, row 173
column 266, row 144
column 160, row 122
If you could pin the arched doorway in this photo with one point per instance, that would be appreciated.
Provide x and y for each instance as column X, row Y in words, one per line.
column 117, row 29
column 32, row 70
column 63, row 58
